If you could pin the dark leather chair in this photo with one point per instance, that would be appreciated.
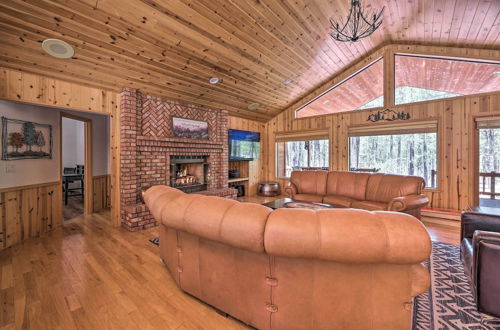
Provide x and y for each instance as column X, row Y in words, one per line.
column 480, row 252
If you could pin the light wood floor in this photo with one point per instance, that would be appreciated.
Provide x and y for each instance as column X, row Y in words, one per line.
column 89, row 275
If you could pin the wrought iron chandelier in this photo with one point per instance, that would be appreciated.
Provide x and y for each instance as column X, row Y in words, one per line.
column 358, row 24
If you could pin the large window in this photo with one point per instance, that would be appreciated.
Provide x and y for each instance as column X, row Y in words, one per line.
column 364, row 90
column 301, row 156
column 408, row 151
column 420, row 78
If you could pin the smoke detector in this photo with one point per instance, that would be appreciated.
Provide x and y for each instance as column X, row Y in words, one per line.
column 213, row 80
column 58, row 48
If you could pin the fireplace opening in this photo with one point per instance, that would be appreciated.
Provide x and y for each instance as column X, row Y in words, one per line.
column 189, row 173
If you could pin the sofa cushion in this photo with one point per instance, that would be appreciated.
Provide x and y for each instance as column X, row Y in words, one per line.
column 338, row 200
column 347, row 235
column 384, row 187
column 369, row 205
column 218, row 219
column 349, row 184
column 310, row 182
column 308, row 198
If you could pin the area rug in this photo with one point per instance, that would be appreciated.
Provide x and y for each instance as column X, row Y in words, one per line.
column 449, row 303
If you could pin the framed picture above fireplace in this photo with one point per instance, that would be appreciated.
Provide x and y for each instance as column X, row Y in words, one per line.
column 190, row 129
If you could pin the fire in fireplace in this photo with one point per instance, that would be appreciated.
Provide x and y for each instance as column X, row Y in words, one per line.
column 189, row 173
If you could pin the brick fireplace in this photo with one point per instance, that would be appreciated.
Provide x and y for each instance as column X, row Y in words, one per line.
column 150, row 154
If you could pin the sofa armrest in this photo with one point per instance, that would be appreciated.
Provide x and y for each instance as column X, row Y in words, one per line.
column 472, row 221
column 290, row 190
column 410, row 202
column 486, row 271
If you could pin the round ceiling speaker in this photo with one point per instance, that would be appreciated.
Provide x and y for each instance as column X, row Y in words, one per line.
column 253, row 106
column 58, row 48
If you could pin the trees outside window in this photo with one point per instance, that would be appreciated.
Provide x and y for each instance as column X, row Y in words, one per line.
column 301, row 156
column 407, row 154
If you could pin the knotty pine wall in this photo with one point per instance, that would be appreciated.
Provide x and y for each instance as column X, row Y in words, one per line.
column 37, row 89
column 456, row 138
column 29, row 211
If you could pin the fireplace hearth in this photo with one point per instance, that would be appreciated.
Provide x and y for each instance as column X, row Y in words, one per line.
column 189, row 173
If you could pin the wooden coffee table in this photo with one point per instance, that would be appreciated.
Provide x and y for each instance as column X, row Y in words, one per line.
column 282, row 203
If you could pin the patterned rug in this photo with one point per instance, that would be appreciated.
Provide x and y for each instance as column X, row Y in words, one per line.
column 449, row 303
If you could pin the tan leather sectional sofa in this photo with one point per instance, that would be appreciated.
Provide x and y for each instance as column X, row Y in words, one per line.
column 293, row 268
column 373, row 192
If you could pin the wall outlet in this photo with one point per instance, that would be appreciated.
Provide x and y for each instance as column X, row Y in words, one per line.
column 10, row 168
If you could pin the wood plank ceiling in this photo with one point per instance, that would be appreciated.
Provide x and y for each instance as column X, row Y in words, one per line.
column 172, row 48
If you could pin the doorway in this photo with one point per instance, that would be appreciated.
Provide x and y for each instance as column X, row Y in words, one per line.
column 76, row 165
column 489, row 164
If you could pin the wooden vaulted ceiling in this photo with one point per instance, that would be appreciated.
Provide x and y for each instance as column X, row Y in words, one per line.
column 172, row 48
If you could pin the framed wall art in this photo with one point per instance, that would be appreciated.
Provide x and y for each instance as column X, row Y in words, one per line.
column 190, row 129
column 25, row 140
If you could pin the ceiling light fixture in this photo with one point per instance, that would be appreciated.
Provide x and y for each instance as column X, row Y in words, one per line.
column 326, row 101
column 359, row 24
column 213, row 80
column 58, row 48
column 253, row 106
column 496, row 72
column 287, row 81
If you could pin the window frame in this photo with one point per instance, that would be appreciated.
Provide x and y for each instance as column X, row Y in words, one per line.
column 408, row 123
column 276, row 156
column 380, row 58
column 392, row 90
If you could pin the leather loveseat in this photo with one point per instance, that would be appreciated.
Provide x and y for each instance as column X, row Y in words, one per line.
column 373, row 192
column 480, row 252
column 293, row 268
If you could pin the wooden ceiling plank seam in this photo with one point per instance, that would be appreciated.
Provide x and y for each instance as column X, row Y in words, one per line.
column 165, row 49
column 329, row 46
column 437, row 20
column 485, row 32
column 46, row 71
column 466, row 23
column 200, row 7
column 285, row 46
column 460, row 9
column 252, row 97
column 480, row 15
column 216, row 42
column 109, row 71
column 260, row 50
column 306, row 29
column 221, row 91
column 263, row 80
column 488, row 23
column 262, row 18
column 333, row 45
column 447, row 21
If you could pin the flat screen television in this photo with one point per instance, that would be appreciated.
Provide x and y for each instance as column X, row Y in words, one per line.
column 243, row 145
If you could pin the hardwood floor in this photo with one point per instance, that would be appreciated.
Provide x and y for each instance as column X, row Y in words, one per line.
column 90, row 275
column 74, row 208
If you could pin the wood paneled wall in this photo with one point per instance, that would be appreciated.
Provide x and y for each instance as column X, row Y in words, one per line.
column 102, row 192
column 456, row 141
column 36, row 89
column 256, row 166
column 458, row 145
column 29, row 211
